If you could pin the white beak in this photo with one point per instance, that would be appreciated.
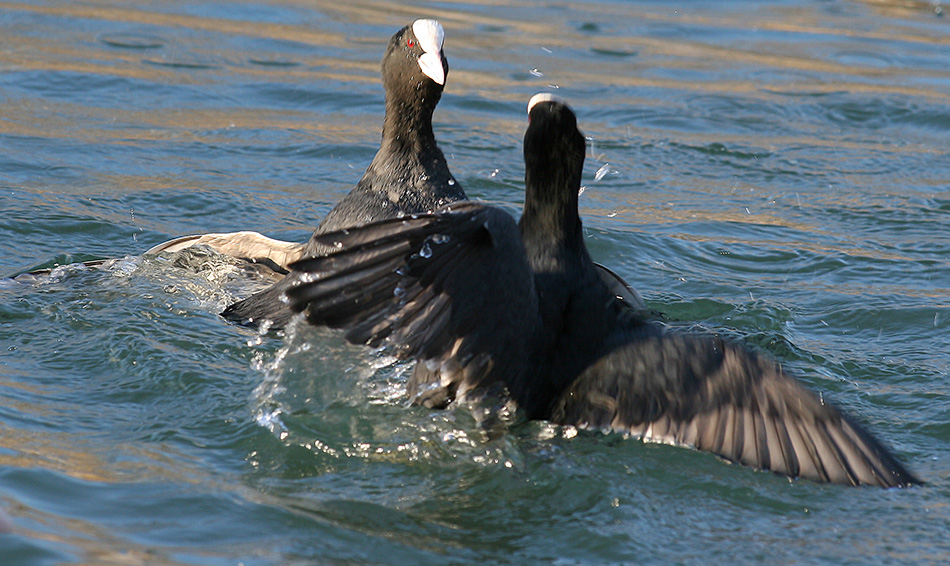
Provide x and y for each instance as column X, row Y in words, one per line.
column 431, row 64
column 430, row 35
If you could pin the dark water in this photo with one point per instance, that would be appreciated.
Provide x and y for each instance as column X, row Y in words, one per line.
column 778, row 171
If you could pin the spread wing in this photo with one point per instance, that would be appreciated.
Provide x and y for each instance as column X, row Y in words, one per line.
column 702, row 392
column 452, row 290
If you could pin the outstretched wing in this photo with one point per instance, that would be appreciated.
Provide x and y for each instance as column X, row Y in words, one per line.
column 452, row 290
column 702, row 392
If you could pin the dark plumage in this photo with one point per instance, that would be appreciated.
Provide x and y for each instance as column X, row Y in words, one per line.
column 409, row 173
column 488, row 306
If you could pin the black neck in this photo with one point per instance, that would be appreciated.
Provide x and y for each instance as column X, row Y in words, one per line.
column 552, row 183
column 407, row 127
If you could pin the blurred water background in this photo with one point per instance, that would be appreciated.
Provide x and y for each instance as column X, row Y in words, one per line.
column 775, row 170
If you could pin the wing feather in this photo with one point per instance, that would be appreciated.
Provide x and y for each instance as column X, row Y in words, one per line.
column 702, row 392
column 453, row 290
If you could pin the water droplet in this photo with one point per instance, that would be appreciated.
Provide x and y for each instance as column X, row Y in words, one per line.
column 426, row 250
column 536, row 72
column 451, row 182
column 602, row 172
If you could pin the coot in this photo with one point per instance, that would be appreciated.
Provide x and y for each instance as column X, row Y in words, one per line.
column 409, row 173
column 490, row 307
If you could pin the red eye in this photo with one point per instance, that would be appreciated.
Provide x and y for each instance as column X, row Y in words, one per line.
column 410, row 43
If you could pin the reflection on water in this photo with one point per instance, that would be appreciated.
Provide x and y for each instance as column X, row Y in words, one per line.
column 777, row 171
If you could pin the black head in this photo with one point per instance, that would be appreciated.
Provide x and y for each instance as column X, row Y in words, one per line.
column 553, row 149
column 414, row 60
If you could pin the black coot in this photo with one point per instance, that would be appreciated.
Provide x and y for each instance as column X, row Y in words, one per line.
column 409, row 173
column 487, row 307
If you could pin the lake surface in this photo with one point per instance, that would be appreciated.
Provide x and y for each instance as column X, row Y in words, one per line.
column 777, row 171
